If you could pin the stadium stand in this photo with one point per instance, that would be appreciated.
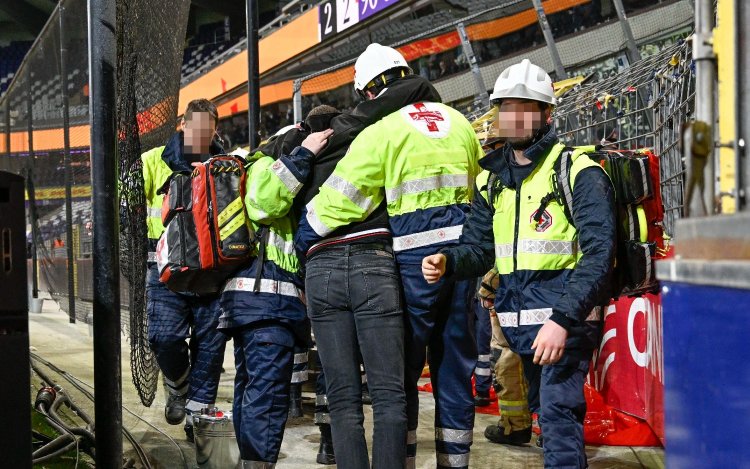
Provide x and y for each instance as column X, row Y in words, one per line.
column 11, row 57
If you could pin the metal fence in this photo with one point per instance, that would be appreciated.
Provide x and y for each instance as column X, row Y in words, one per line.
column 644, row 106
column 463, row 56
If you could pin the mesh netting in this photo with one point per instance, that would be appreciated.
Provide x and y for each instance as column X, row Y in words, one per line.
column 149, row 41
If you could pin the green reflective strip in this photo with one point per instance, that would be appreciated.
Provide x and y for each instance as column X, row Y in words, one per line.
column 230, row 211
column 231, row 227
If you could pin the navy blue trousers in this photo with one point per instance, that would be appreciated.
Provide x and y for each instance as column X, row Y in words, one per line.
column 440, row 327
column 556, row 394
column 172, row 319
column 264, row 357
column 483, row 370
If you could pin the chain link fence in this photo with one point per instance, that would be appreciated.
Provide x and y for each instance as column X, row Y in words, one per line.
column 44, row 118
column 644, row 106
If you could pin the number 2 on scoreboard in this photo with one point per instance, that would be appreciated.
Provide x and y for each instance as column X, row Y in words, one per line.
column 328, row 14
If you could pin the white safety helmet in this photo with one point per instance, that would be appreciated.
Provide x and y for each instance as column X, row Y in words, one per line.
column 375, row 61
column 524, row 81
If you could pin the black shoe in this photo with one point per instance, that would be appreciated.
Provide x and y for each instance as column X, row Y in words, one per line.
column 540, row 441
column 325, row 451
column 496, row 434
column 174, row 411
column 189, row 436
column 295, row 401
column 481, row 401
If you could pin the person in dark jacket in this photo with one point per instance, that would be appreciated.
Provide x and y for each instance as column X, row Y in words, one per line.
column 366, row 312
column 554, row 272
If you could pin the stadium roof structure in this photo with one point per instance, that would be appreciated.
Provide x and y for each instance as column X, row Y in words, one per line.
column 24, row 19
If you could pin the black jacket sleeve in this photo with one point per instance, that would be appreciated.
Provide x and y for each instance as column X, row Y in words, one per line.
column 475, row 252
column 594, row 217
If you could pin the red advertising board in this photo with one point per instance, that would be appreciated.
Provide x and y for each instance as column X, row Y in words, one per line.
column 628, row 369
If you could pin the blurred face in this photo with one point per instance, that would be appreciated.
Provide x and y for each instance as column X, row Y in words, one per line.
column 199, row 129
column 518, row 120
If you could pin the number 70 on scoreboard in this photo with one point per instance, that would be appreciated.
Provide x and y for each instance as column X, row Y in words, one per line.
column 334, row 16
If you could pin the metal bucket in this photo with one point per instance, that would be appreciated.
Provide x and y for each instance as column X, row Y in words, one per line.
column 215, row 441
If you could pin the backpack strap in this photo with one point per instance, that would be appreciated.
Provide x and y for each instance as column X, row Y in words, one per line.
column 561, row 187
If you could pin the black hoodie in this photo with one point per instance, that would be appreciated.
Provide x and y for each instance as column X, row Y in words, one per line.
column 346, row 127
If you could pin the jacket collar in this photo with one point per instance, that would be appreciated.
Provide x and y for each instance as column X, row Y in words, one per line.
column 498, row 161
column 174, row 152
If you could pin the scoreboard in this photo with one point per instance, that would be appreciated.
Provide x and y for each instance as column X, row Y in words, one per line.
column 335, row 16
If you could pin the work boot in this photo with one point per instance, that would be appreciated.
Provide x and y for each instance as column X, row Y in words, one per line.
column 174, row 411
column 325, row 451
column 295, row 401
column 481, row 400
column 496, row 434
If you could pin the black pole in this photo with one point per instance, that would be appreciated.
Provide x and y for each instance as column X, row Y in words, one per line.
column 253, row 73
column 32, row 201
column 68, row 171
column 7, row 128
column 104, row 163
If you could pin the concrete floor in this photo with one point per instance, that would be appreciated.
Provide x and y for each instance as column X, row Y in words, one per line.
column 69, row 346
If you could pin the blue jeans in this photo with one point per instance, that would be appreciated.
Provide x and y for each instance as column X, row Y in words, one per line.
column 354, row 302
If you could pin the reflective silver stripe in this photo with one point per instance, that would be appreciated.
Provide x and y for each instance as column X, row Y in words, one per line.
column 299, row 376
column 427, row 184
column 411, row 437
column 151, row 257
column 300, row 358
column 411, row 462
column 316, row 223
column 364, row 378
column 181, row 381
column 427, row 238
column 483, row 358
column 453, row 460
column 257, row 464
column 334, row 239
column 321, row 399
column 286, row 176
column 503, row 250
column 507, row 319
column 450, row 435
column 348, row 190
column 482, row 371
column 545, row 246
column 266, row 286
column 286, row 247
column 154, row 212
column 531, row 317
column 322, row 417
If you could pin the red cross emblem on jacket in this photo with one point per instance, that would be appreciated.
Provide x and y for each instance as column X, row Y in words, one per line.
column 430, row 117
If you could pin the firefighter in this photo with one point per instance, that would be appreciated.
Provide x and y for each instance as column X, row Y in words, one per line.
column 514, row 427
column 262, row 305
column 191, row 374
column 419, row 161
column 553, row 272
